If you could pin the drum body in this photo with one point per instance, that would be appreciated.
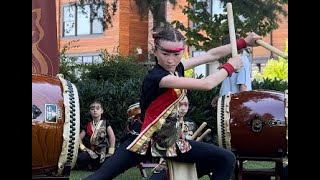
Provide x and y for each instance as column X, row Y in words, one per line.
column 254, row 123
column 133, row 111
column 55, row 124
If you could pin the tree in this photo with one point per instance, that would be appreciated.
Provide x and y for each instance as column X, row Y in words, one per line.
column 260, row 16
column 156, row 8
column 110, row 8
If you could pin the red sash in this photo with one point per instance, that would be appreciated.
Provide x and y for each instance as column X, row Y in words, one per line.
column 89, row 129
column 155, row 117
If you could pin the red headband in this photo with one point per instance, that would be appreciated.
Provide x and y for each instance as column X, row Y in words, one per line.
column 173, row 50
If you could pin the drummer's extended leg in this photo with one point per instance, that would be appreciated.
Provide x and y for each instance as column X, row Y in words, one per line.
column 116, row 164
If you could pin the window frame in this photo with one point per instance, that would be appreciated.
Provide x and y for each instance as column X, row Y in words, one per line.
column 86, row 55
column 75, row 21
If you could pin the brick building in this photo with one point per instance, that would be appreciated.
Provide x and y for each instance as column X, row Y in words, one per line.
column 131, row 34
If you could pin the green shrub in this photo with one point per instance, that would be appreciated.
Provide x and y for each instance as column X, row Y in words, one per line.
column 115, row 98
column 116, row 68
column 71, row 70
column 68, row 66
column 270, row 84
column 274, row 69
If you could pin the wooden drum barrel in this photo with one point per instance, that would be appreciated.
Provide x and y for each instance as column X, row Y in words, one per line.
column 55, row 125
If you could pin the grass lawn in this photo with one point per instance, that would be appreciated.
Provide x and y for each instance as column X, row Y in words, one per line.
column 134, row 173
column 131, row 174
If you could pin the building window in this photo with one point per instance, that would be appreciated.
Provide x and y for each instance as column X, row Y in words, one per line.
column 201, row 69
column 213, row 7
column 88, row 59
column 79, row 20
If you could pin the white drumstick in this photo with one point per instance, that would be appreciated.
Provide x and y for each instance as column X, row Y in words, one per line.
column 272, row 48
column 232, row 33
column 196, row 133
column 203, row 135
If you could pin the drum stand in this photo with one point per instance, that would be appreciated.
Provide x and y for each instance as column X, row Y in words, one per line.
column 65, row 174
column 277, row 171
column 142, row 167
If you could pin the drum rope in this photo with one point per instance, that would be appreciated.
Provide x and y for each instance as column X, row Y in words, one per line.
column 223, row 131
column 70, row 145
column 72, row 123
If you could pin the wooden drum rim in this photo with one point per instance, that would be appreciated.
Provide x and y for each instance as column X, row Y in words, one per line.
column 223, row 123
column 71, row 130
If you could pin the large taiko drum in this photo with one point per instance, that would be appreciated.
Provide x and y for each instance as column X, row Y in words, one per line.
column 254, row 123
column 55, row 125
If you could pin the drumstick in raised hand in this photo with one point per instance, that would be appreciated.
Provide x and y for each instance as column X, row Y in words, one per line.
column 232, row 32
column 233, row 37
column 196, row 133
column 272, row 48
column 203, row 135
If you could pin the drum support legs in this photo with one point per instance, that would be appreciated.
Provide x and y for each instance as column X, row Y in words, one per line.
column 49, row 177
column 142, row 167
column 240, row 171
column 65, row 175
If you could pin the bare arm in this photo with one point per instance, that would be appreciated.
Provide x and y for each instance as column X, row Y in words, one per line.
column 210, row 56
column 112, row 140
column 217, row 53
column 206, row 83
column 243, row 87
